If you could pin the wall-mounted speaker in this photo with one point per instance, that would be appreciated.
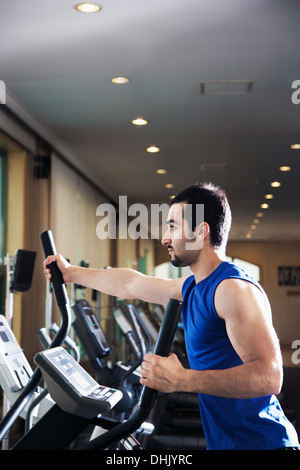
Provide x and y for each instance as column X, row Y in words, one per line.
column 23, row 267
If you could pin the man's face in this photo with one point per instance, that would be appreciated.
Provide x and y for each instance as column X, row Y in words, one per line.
column 178, row 238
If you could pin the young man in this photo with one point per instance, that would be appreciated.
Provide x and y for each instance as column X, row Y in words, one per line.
column 234, row 355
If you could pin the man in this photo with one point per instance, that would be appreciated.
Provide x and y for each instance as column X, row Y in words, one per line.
column 234, row 355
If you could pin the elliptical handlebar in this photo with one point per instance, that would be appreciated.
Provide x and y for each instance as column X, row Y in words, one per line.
column 59, row 288
column 63, row 305
column 140, row 342
column 148, row 395
column 57, row 279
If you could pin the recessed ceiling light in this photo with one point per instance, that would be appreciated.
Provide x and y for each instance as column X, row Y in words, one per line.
column 285, row 168
column 120, row 80
column 161, row 171
column 259, row 214
column 169, row 185
column 275, row 184
column 172, row 197
column 139, row 121
column 88, row 7
column 295, row 146
column 253, row 227
column 256, row 221
column 264, row 206
column 153, row 149
column 249, row 235
column 269, row 196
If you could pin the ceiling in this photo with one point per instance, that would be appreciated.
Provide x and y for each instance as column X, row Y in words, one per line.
column 57, row 64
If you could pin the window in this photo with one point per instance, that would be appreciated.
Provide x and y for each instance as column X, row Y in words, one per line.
column 250, row 268
column 168, row 271
column 2, row 207
column 3, row 185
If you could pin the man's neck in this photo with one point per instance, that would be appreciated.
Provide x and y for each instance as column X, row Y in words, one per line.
column 208, row 261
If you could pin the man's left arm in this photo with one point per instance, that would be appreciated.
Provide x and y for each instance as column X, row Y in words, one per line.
column 247, row 316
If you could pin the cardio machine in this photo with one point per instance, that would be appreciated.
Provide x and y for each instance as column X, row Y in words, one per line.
column 15, row 371
column 78, row 397
column 124, row 376
column 15, row 374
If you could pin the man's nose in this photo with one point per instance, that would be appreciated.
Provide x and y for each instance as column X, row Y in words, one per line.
column 166, row 240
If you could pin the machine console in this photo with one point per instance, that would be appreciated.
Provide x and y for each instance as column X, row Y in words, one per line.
column 71, row 387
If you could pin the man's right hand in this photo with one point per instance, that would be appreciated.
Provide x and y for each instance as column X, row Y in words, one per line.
column 62, row 264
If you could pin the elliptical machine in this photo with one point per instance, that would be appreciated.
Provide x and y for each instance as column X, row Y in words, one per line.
column 124, row 377
column 64, row 309
column 78, row 399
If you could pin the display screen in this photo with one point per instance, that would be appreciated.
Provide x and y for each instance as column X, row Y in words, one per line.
column 92, row 319
column 70, row 369
column 4, row 337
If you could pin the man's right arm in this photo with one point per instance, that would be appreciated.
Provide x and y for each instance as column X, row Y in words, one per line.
column 119, row 282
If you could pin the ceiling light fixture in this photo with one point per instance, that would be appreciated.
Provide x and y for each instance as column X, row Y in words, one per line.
column 269, row 196
column 259, row 214
column 161, row 171
column 139, row 121
column 295, row 146
column 169, row 185
column 120, row 80
column 264, row 206
column 285, row 168
column 153, row 149
column 87, row 7
column 275, row 184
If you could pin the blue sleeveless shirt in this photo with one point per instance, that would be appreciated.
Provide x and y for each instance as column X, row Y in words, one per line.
column 256, row 423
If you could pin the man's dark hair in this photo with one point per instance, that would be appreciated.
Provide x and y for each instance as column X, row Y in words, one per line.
column 217, row 211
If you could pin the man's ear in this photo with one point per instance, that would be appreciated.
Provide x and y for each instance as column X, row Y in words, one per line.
column 202, row 230
column 200, row 234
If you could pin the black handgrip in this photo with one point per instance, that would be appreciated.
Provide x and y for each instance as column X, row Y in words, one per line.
column 163, row 345
column 168, row 328
column 57, row 279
